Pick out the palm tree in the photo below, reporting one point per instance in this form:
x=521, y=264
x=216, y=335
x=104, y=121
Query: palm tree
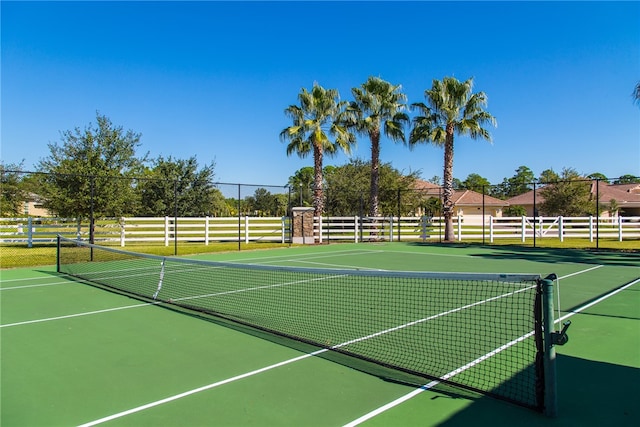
x=315, y=121
x=378, y=106
x=451, y=109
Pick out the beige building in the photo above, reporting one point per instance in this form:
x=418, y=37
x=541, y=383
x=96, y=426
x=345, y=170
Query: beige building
x=468, y=204
x=33, y=207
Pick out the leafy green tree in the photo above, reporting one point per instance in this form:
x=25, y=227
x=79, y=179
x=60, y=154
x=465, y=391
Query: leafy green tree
x=378, y=108
x=599, y=176
x=91, y=168
x=435, y=180
x=627, y=179
x=263, y=203
x=548, y=176
x=178, y=186
x=518, y=184
x=301, y=183
x=13, y=194
x=281, y=204
x=613, y=207
x=570, y=196
x=316, y=121
x=515, y=210
x=348, y=187
x=476, y=183
x=432, y=207
x=452, y=108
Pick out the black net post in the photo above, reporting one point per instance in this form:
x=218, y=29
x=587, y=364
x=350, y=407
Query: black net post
x=597, y=213
x=58, y=253
x=91, y=210
x=548, y=322
x=535, y=214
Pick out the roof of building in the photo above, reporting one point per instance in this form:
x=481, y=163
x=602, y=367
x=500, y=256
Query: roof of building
x=460, y=197
x=623, y=194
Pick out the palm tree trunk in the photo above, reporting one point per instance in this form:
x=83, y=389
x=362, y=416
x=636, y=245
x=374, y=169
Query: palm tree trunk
x=447, y=193
x=375, y=173
x=318, y=197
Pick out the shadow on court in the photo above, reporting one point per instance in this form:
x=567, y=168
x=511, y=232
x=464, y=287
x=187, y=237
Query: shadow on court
x=548, y=255
x=589, y=394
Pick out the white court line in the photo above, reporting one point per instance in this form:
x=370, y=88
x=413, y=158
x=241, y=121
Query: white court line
x=257, y=288
x=87, y=313
x=581, y=271
x=36, y=286
x=288, y=257
x=335, y=265
x=234, y=291
x=23, y=279
x=258, y=371
x=599, y=300
x=198, y=390
x=432, y=384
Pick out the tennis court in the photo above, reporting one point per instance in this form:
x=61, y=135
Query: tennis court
x=75, y=354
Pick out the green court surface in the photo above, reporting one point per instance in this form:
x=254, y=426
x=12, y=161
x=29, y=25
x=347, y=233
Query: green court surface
x=74, y=354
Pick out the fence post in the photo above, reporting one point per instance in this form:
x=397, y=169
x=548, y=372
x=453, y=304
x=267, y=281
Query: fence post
x=459, y=228
x=561, y=228
x=540, y=226
x=591, y=228
x=206, y=230
x=524, y=228
x=166, y=231
x=79, y=229
x=246, y=229
x=355, y=229
x=122, y=235
x=620, y=220
x=490, y=228
x=30, y=232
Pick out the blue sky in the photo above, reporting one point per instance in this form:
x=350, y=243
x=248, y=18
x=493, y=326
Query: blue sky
x=212, y=79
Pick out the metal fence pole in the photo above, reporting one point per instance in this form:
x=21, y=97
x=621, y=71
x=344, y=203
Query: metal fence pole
x=550, y=378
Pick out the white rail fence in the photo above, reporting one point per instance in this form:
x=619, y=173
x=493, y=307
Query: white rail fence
x=166, y=230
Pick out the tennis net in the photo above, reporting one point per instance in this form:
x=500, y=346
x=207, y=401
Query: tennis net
x=481, y=332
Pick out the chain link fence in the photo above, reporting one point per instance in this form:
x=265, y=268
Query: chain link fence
x=169, y=217
x=174, y=217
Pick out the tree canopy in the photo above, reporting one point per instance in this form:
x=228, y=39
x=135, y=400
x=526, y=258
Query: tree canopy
x=178, y=185
x=348, y=188
x=318, y=127
x=378, y=107
x=571, y=196
x=90, y=170
x=14, y=193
